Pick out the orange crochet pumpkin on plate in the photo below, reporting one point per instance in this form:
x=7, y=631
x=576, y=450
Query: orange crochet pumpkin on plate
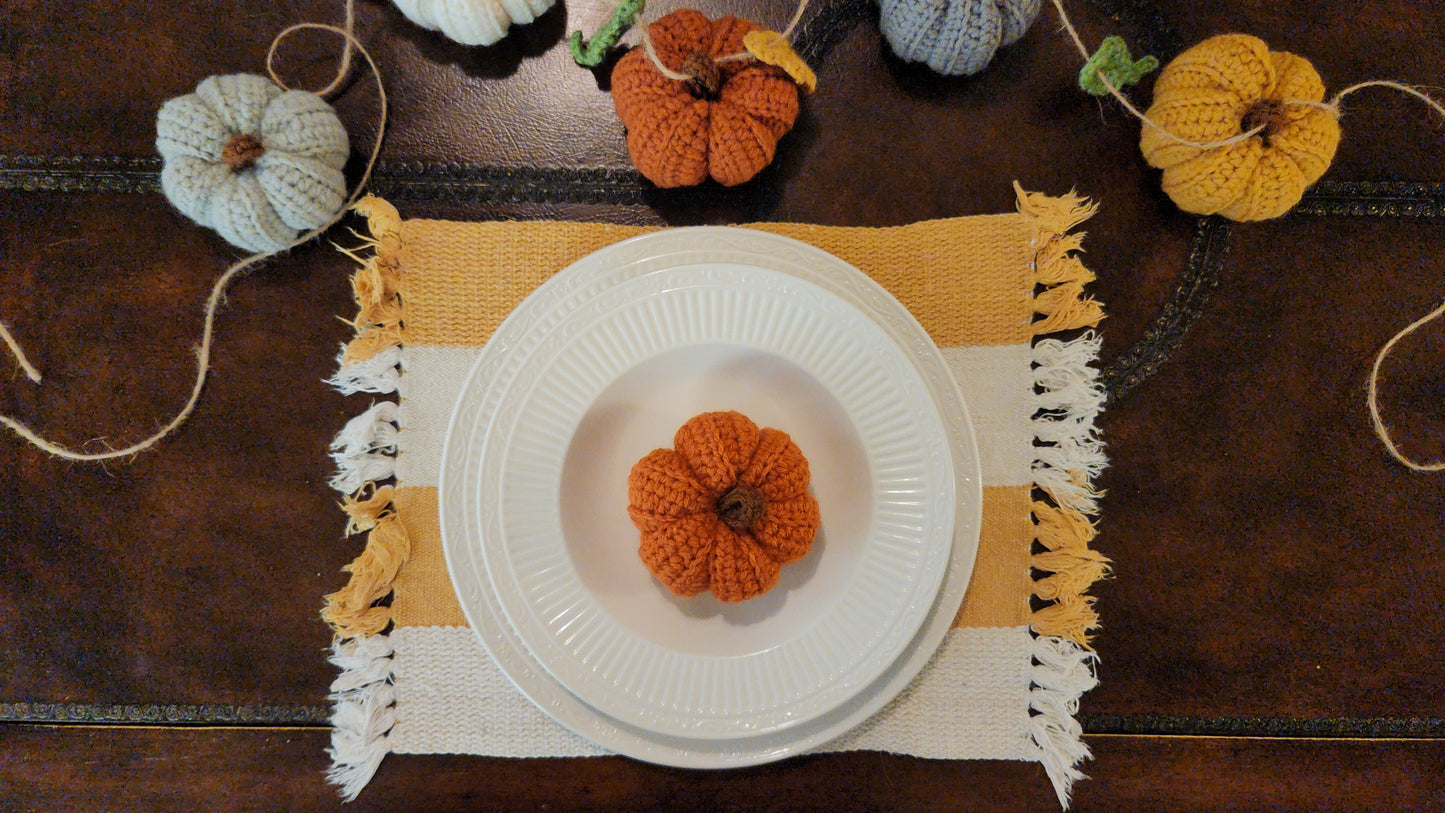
x=725, y=123
x=724, y=509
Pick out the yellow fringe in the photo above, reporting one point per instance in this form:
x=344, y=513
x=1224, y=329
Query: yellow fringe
x=371, y=342
x=351, y=610
x=1057, y=264
x=376, y=285
x=1071, y=568
x=1069, y=617
x=363, y=511
x=1074, y=572
x=1059, y=529
x=1062, y=304
x=1054, y=215
x=384, y=314
x=1065, y=307
x=384, y=223
x=1066, y=534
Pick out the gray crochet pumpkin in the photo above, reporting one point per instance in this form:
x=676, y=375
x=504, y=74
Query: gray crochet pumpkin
x=954, y=37
x=256, y=163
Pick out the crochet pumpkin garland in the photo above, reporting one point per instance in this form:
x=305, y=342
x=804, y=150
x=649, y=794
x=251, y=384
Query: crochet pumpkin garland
x=723, y=121
x=724, y=509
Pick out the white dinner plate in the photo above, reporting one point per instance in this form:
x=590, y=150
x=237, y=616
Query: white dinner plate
x=609, y=384
x=515, y=348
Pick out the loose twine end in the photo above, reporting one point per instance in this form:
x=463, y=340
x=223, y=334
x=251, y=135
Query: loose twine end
x=218, y=291
x=1381, y=431
x=30, y=371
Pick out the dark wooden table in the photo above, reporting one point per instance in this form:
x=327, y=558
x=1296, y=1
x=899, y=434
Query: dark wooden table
x=1272, y=633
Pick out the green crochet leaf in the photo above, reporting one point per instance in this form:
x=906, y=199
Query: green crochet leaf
x=590, y=53
x=1112, y=62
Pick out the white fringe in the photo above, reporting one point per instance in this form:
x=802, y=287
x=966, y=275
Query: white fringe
x=365, y=711
x=1069, y=384
x=365, y=449
x=1067, y=401
x=1067, y=458
x=1062, y=673
x=380, y=374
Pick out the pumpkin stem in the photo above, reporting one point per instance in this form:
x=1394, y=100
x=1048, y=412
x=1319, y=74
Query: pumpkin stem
x=740, y=508
x=706, y=81
x=242, y=151
x=1267, y=114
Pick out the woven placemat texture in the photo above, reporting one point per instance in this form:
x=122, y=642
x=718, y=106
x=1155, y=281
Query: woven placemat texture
x=991, y=291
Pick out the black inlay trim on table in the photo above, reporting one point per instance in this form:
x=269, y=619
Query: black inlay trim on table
x=1125, y=724
x=163, y=714
x=1201, y=275
x=1322, y=727
x=79, y=173
x=1374, y=199
x=420, y=181
x=819, y=34
x=423, y=181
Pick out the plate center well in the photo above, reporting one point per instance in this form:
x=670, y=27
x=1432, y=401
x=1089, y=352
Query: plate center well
x=639, y=412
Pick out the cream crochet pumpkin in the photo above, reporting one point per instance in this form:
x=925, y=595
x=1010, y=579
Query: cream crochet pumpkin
x=256, y=163
x=472, y=22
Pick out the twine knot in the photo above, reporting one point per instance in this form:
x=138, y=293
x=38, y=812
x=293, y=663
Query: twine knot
x=1267, y=114
x=740, y=507
x=242, y=151
x=706, y=81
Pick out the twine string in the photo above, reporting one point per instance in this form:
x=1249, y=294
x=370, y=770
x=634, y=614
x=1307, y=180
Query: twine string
x=1381, y=431
x=1333, y=106
x=1136, y=112
x=218, y=291
x=30, y=371
x=342, y=70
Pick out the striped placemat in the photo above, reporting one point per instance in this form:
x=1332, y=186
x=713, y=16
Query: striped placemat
x=990, y=290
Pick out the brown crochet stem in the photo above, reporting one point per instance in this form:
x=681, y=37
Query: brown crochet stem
x=706, y=81
x=242, y=151
x=740, y=508
x=1267, y=114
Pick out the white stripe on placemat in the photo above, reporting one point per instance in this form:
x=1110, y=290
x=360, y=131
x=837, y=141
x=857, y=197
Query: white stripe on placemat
x=997, y=383
x=970, y=702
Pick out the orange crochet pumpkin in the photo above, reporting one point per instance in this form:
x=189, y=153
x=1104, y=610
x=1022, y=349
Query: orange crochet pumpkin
x=725, y=123
x=724, y=509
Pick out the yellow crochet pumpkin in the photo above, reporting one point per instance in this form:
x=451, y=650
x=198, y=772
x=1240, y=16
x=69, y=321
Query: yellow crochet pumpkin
x=1225, y=86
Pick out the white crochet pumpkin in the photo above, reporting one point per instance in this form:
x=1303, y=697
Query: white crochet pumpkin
x=472, y=22
x=256, y=163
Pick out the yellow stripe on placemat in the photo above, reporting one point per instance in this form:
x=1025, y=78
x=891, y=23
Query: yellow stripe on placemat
x=998, y=594
x=424, y=595
x=930, y=267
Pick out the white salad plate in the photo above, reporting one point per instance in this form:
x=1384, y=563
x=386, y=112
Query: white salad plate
x=598, y=367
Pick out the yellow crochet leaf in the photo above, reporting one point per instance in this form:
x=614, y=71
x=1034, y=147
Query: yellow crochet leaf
x=774, y=49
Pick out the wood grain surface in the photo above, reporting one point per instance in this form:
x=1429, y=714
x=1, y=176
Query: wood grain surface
x=1278, y=579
